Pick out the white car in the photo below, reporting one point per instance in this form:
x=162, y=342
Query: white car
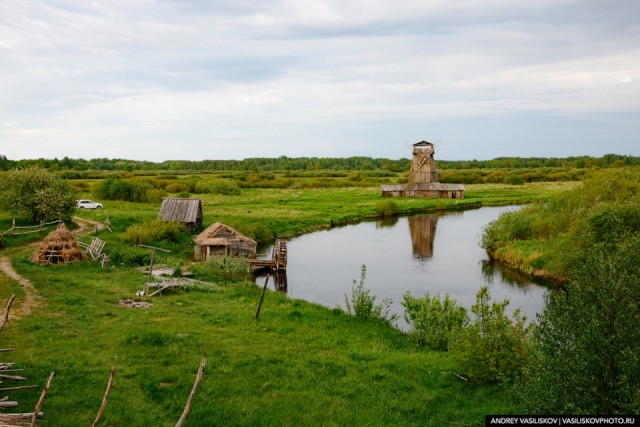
x=88, y=204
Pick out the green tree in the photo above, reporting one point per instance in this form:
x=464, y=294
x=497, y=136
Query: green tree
x=37, y=194
x=587, y=346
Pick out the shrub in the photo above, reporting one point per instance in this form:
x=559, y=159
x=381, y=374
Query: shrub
x=155, y=195
x=223, y=269
x=183, y=194
x=588, y=340
x=492, y=348
x=224, y=186
x=363, y=305
x=129, y=255
x=514, y=180
x=177, y=187
x=432, y=320
x=150, y=231
x=387, y=208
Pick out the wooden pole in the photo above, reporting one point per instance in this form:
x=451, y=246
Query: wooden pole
x=192, y=394
x=5, y=319
x=264, y=288
x=104, y=399
x=18, y=388
x=42, y=396
x=153, y=254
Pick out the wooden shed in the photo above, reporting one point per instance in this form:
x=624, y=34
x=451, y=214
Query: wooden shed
x=221, y=240
x=183, y=210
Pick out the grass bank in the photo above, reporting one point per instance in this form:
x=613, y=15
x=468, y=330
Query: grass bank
x=299, y=364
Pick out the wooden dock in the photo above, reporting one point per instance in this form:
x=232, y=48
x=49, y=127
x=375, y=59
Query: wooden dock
x=278, y=261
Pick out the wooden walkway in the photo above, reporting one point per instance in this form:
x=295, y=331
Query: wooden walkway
x=278, y=261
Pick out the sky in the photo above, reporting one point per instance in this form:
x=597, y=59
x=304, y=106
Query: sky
x=230, y=79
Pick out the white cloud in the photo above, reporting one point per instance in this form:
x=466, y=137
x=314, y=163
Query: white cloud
x=350, y=78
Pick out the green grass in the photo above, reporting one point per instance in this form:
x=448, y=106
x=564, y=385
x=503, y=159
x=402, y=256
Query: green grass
x=300, y=364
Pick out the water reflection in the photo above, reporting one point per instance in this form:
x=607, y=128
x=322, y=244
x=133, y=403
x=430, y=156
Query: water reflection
x=423, y=231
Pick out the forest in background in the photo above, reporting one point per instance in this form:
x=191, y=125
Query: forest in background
x=284, y=163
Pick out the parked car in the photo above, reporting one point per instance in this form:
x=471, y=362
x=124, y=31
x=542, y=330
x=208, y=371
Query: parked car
x=88, y=204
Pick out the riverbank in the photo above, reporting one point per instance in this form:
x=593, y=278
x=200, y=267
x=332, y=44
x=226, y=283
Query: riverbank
x=301, y=363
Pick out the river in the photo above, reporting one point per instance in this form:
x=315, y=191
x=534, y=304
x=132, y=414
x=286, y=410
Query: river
x=429, y=253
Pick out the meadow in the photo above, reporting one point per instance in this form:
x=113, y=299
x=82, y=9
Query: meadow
x=299, y=363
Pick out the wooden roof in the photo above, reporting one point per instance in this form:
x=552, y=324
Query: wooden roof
x=423, y=143
x=219, y=234
x=180, y=210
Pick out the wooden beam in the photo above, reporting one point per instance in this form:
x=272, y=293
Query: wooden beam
x=106, y=396
x=5, y=319
x=41, y=400
x=187, y=408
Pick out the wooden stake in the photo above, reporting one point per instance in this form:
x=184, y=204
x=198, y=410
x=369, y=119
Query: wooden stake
x=42, y=396
x=264, y=288
x=23, y=416
x=104, y=399
x=12, y=377
x=18, y=387
x=8, y=404
x=6, y=312
x=192, y=394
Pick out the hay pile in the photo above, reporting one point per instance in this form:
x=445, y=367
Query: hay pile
x=60, y=246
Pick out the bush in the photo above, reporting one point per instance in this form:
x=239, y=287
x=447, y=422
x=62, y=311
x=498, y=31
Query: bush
x=228, y=269
x=155, y=195
x=150, y=231
x=129, y=255
x=387, y=208
x=493, y=348
x=363, y=305
x=177, y=187
x=224, y=186
x=433, y=321
x=587, y=345
x=514, y=180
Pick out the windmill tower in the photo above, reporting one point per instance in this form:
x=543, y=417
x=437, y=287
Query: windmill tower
x=423, y=164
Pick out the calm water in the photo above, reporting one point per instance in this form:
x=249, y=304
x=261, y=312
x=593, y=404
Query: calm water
x=435, y=253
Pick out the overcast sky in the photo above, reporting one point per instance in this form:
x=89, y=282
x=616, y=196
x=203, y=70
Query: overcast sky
x=230, y=79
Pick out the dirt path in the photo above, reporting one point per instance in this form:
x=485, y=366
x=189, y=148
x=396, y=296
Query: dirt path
x=87, y=225
x=31, y=297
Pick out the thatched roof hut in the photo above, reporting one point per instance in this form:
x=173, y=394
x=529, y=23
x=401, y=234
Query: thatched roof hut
x=221, y=240
x=60, y=246
x=183, y=210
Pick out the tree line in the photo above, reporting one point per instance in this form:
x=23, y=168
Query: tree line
x=284, y=163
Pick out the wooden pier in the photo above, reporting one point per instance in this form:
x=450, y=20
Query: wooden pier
x=278, y=261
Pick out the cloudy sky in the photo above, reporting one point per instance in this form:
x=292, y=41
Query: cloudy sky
x=230, y=79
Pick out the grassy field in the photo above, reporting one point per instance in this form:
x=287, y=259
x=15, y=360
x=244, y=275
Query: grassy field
x=300, y=364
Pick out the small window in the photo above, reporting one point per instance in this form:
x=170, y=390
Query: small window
x=453, y=194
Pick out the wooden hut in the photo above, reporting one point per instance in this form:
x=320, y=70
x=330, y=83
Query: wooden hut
x=59, y=247
x=423, y=178
x=182, y=210
x=221, y=240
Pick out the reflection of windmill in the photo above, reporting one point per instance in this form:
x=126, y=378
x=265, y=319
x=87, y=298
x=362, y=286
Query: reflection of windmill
x=423, y=232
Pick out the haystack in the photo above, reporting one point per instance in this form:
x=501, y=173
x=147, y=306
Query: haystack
x=60, y=246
